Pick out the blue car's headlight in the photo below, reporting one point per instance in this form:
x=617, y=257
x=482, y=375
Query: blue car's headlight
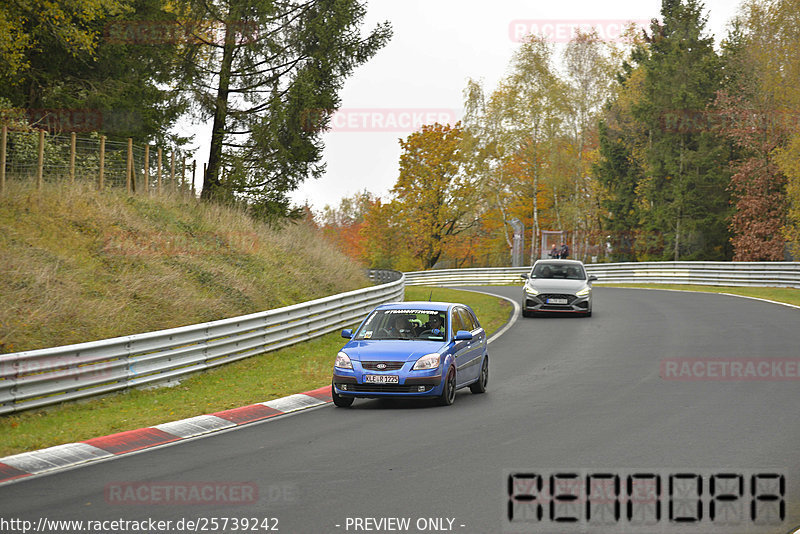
x=429, y=361
x=343, y=361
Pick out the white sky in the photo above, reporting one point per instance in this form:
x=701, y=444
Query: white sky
x=437, y=45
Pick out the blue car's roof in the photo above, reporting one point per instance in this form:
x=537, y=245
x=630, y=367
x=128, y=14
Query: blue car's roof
x=421, y=305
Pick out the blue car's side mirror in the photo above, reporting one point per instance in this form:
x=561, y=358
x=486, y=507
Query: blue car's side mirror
x=347, y=333
x=463, y=335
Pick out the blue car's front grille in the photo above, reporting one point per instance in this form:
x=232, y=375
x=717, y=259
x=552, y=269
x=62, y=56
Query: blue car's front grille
x=382, y=366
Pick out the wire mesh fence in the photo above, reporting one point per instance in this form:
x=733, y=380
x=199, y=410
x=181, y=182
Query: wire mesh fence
x=36, y=157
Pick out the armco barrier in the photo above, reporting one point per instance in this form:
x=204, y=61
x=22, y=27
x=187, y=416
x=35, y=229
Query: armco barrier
x=48, y=376
x=768, y=274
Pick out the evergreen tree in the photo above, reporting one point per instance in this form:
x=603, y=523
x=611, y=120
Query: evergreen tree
x=270, y=86
x=684, y=193
x=619, y=173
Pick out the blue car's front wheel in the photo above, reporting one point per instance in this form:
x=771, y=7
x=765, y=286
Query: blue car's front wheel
x=338, y=400
x=448, y=389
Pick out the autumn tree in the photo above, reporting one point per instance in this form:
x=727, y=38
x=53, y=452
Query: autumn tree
x=343, y=224
x=433, y=197
x=772, y=44
x=522, y=116
x=748, y=114
x=590, y=66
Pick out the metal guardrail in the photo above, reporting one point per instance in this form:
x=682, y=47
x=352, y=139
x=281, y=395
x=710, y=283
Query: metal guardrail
x=766, y=274
x=49, y=376
x=43, y=377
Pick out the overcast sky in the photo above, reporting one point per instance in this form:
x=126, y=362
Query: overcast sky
x=421, y=73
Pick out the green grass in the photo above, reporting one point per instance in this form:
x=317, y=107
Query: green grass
x=295, y=369
x=780, y=294
x=492, y=312
x=79, y=265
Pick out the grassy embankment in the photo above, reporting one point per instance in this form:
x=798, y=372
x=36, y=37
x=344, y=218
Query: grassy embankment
x=89, y=249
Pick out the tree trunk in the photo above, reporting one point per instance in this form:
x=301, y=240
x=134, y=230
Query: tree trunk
x=211, y=181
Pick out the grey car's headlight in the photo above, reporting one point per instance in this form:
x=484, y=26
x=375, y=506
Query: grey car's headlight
x=429, y=361
x=584, y=292
x=343, y=361
x=530, y=290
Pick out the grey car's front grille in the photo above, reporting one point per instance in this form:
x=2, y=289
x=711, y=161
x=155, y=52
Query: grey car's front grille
x=569, y=298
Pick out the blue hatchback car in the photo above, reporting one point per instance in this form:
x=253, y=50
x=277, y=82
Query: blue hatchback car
x=412, y=349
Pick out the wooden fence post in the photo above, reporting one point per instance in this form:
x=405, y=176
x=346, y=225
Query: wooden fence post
x=194, y=169
x=129, y=166
x=40, y=163
x=147, y=169
x=158, y=179
x=102, y=162
x=72, y=143
x=183, y=175
x=3, y=137
x=172, y=171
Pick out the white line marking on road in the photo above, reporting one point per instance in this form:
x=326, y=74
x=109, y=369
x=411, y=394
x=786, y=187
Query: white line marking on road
x=710, y=293
x=511, y=321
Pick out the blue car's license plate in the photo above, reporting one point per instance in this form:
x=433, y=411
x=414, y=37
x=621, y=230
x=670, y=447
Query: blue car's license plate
x=382, y=379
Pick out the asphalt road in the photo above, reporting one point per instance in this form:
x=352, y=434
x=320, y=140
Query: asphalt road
x=565, y=395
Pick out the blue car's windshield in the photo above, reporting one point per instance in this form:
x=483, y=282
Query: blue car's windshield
x=405, y=324
x=569, y=271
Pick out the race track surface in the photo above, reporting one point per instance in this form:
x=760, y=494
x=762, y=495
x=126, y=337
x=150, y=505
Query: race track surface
x=565, y=395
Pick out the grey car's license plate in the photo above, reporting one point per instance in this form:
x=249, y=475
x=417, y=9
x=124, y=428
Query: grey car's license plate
x=382, y=379
x=557, y=301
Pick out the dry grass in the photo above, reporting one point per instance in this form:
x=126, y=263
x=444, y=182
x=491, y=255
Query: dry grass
x=79, y=265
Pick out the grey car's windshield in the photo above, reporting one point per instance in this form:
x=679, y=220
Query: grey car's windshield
x=568, y=271
x=405, y=324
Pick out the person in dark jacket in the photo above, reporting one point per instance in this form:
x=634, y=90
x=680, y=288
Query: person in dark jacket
x=564, y=252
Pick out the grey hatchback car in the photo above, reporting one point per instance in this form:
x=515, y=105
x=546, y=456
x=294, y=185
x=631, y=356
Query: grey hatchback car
x=557, y=286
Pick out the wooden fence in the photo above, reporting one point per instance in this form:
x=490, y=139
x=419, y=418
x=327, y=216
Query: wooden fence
x=36, y=156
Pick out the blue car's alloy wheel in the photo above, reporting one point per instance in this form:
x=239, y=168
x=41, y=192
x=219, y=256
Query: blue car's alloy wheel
x=449, y=389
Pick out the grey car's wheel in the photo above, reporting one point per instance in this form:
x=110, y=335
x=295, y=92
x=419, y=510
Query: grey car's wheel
x=483, y=379
x=338, y=400
x=448, y=395
x=526, y=313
